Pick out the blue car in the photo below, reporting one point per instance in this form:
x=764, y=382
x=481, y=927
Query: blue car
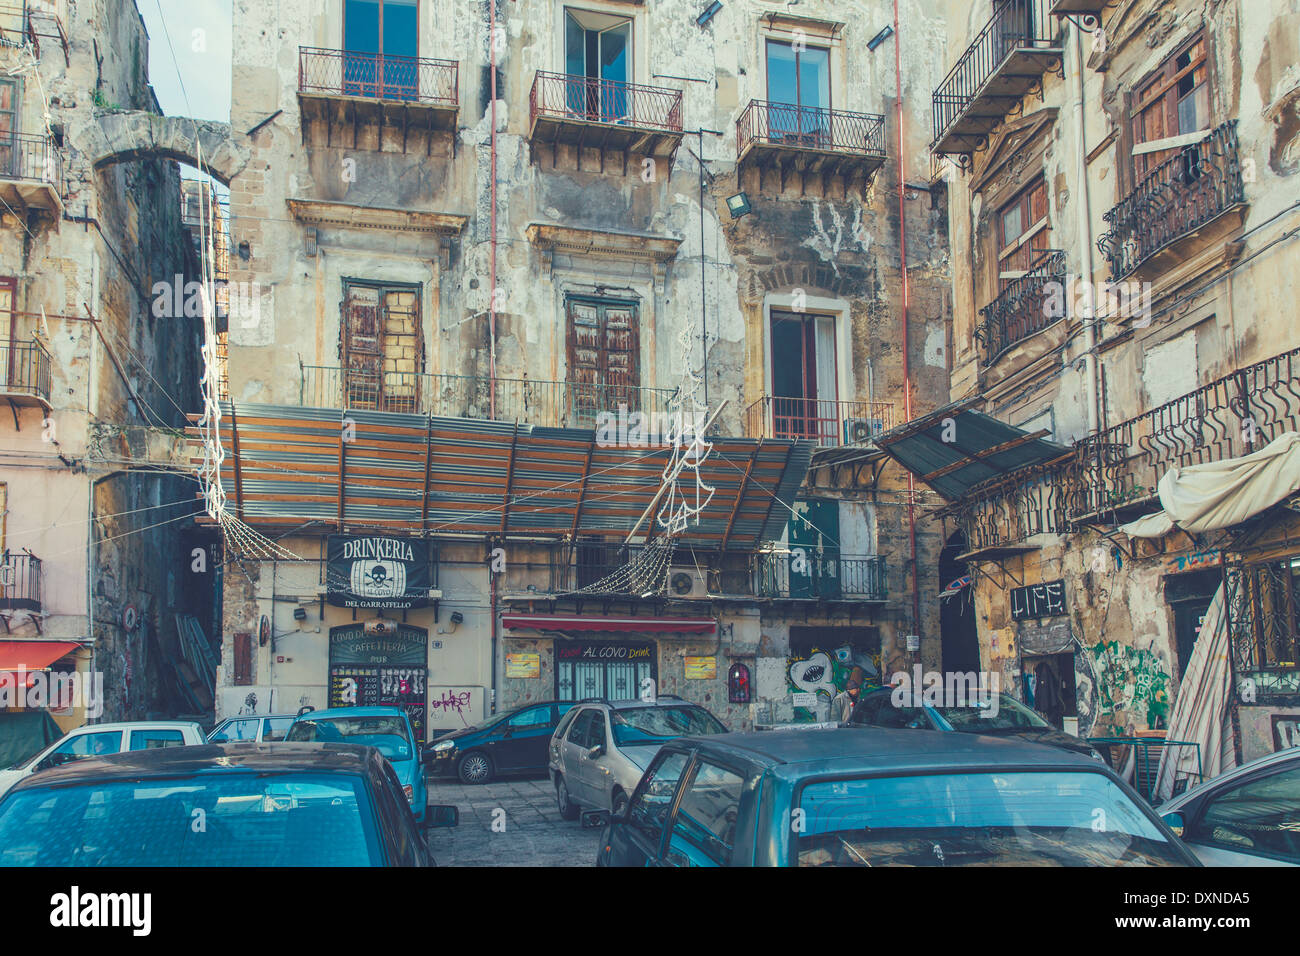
x=387, y=729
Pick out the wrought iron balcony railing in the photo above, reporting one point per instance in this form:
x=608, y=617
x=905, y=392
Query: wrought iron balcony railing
x=808, y=127
x=1016, y=26
x=1033, y=500
x=564, y=96
x=1185, y=192
x=377, y=76
x=20, y=582
x=1263, y=609
x=35, y=20
x=538, y=402
x=32, y=159
x=1024, y=307
x=819, y=575
x=1227, y=418
x=829, y=423
x=24, y=368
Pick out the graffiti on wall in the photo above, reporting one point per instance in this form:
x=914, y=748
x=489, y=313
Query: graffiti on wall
x=826, y=673
x=1130, y=679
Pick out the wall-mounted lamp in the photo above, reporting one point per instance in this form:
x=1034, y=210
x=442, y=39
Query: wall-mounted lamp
x=300, y=614
x=738, y=205
x=245, y=250
x=880, y=38
x=708, y=14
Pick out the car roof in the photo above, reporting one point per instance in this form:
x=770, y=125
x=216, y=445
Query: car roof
x=206, y=758
x=260, y=716
x=1247, y=768
x=635, y=703
x=124, y=724
x=798, y=753
x=374, y=711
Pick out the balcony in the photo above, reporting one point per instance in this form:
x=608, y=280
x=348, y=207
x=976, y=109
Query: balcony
x=536, y=402
x=1118, y=469
x=625, y=118
x=20, y=583
x=31, y=174
x=33, y=21
x=1189, y=196
x=1006, y=61
x=1089, y=10
x=402, y=92
x=24, y=373
x=810, y=140
x=1023, y=307
x=706, y=576
x=828, y=576
x=831, y=424
x=999, y=516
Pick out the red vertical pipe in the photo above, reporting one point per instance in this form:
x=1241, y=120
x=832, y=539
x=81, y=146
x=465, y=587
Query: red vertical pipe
x=907, y=369
x=492, y=239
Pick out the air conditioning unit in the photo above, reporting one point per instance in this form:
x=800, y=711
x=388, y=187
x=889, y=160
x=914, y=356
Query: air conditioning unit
x=857, y=430
x=687, y=583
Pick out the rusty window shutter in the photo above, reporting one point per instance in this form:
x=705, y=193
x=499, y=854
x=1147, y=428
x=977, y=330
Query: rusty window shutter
x=243, y=658
x=604, y=367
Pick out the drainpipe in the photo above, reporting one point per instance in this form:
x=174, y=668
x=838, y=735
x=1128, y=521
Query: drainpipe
x=907, y=370
x=492, y=239
x=1085, y=239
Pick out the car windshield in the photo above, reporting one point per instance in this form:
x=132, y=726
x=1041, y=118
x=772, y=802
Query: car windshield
x=385, y=732
x=231, y=819
x=655, y=724
x=1049, y=818
x=977, y=717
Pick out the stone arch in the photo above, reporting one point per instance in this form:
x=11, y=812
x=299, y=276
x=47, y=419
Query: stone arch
x=123, y=135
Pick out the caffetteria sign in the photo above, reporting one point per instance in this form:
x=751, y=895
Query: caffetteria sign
x=373, y=571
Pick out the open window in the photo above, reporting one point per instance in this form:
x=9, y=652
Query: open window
x=1024, y=233
x=799, y=93
x=382, y=346
x=1173, y=102
x=598, y=60
x=805, y=384
x=381, y=40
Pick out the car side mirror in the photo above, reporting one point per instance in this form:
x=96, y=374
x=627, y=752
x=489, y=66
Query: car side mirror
x=1175, y=822
x=595, y=751
x=441, y=816
x=596, y=818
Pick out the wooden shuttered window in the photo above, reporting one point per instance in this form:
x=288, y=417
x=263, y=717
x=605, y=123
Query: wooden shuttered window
x=1024, y=233
x=382, y=347
x=1173, y=101
x=604, y=354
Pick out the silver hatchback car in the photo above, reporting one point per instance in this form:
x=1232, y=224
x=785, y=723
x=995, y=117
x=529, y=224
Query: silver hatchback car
x=601, y=748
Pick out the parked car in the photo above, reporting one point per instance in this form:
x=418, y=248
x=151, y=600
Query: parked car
x=251, y=728
x=514, y=742
x=97, y=740
x=601, y=747
x=856, y=797
x=386, y=728
x=1013, y=719
x=1249, y=816
x=275, y=804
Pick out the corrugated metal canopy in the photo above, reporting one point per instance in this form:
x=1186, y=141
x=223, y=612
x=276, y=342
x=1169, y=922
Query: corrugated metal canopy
x=415, y=473
x=952, y=457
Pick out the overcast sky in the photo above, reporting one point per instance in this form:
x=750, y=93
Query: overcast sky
x=200, y=35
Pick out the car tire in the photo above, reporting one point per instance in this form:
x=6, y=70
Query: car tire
x=474, y=768
x=568, y=809
x=618, y=803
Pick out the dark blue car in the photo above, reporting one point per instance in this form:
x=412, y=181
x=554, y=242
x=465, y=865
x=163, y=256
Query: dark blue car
x=513, y=742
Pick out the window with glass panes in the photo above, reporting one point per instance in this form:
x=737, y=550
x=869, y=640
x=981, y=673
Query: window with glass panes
x=1024, y=233
x=1173, y=101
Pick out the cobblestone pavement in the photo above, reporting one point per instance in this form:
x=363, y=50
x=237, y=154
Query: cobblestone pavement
x=534, y=833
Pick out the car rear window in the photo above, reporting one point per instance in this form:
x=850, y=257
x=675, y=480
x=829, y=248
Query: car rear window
x=653, y=724
x=235, y=819
x=1055, y=818
x=386, y=732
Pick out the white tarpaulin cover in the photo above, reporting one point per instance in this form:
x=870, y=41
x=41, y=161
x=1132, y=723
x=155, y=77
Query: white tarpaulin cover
x=1218, y=494
x=1201, y=709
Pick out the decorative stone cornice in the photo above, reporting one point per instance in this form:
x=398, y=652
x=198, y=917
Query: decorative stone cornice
x=646, y=247
x=317, y=212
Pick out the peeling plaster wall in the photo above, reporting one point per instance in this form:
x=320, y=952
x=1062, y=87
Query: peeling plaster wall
x=834, y=243
x=1207, y=320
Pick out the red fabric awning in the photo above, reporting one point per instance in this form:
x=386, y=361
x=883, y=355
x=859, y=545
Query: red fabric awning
x=596, y=622
x=33, y=655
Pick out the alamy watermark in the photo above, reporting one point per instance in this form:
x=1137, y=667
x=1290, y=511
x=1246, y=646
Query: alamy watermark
x=977, y=689
x=241, y=302
x=45, y=689
x=625, y=428
x=1074, y=297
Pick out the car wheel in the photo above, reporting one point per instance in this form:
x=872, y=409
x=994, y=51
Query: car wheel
x=474, y=767
x=568, y=809
x=619, y=803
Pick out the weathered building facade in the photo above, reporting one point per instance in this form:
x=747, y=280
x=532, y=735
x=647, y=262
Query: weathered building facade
x=475, y=233
x=1122, y=205
x=94, y=380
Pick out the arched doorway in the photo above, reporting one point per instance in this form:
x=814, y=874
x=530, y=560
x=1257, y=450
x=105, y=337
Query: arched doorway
x=960, y=640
